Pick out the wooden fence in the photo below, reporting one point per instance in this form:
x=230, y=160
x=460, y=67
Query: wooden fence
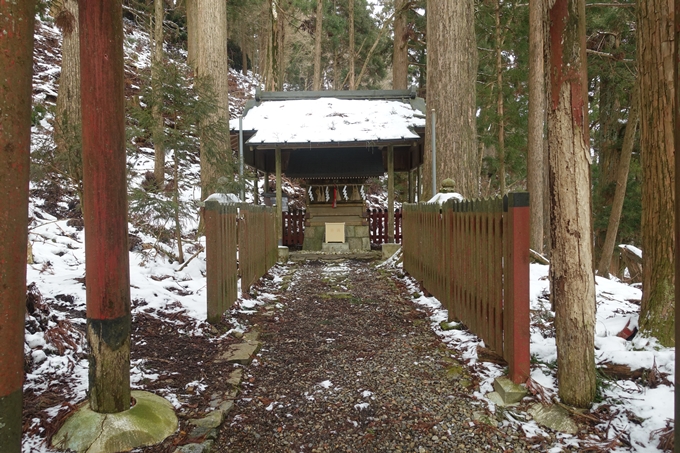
x=474, y=257
x=258, y=243
x=293, y=228
x=220, y=257
x=378, y=226
x=244, y=244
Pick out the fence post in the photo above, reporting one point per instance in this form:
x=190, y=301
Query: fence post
x=213, y=259
x=516, y=309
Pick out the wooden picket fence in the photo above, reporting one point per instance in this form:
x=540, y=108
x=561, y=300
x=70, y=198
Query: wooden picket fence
x=293, y=234
x=474, y=257
x=257, y=243
x=241, y=240
x=221, y=241
x=378, y=226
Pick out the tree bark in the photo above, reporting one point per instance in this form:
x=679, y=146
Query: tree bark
x=317, y=46
x=281, y=46
x=16, y=70
x=499, y=102
x=274, y=47
x=105, y=204
x=67, y=128
x=192, y=32
x=157, y=85
x=451, y=76
x=572, y=284
x=352, y=55
x=535, y=168
x=400, y=53
x=609, y=149
x=655, y=69
x=212, y=66
x=620, y=193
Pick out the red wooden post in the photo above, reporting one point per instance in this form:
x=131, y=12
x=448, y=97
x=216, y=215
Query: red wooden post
x=16, y=69
x=105, y=204
x=516, y=307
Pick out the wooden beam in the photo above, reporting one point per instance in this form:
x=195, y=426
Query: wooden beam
x=279, y=197
x=344, y=94
x=390, y=194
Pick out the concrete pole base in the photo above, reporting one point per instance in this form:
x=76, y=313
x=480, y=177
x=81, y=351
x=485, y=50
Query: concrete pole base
x=150, y=421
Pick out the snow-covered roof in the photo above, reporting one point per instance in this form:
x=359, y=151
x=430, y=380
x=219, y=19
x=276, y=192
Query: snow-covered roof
x=332, y=120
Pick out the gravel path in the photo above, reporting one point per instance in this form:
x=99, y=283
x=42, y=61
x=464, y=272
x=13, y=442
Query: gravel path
x=350, y=364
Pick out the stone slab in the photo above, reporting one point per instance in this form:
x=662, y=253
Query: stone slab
x=150, y=421
x=553, y=417
x=508, y=390
x=235, y=377
x=335, y=247
x=355, y=243
x=361, y=231
x=251, y=335
x=242, y=353
x=206, y=427
x=388, y=250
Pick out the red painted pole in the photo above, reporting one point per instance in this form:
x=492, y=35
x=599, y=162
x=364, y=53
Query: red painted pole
x=16, y=69
x=105, y=204
x=516, y=303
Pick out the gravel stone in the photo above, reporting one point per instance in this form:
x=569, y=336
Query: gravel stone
x=364, y=372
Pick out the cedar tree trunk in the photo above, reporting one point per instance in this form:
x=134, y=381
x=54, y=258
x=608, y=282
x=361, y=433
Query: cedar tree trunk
x=67, y=128
x=620, y=192
x=212, y=66
x=317, y=46
x=352, y=57
x=657, y=97
x=157, y=64
x=572, y=283
x=451, y=77
x=400, y=54
x=535, y=168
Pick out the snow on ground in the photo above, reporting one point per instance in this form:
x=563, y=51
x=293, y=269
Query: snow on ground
x=161, y=286
x=639, y=411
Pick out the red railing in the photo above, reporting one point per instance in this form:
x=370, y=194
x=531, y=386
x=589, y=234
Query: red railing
x=474, y=257
x=378, y=226
x=293, y=228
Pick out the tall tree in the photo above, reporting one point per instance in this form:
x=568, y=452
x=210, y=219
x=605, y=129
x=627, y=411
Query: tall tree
x=352, y=57
x=535, y=170
x=655, y=62
x=16, y=69
x=212, y=67
x=105, y=204
x=451, y=76
x=192, y=32
x=317, y=45
x=400, y=52
x=620, y=192
x=67, y=128
x=156, y=75
x=499, y=99
x=572, y=284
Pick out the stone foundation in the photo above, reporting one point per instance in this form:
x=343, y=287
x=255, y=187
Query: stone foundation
x=355, y=235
